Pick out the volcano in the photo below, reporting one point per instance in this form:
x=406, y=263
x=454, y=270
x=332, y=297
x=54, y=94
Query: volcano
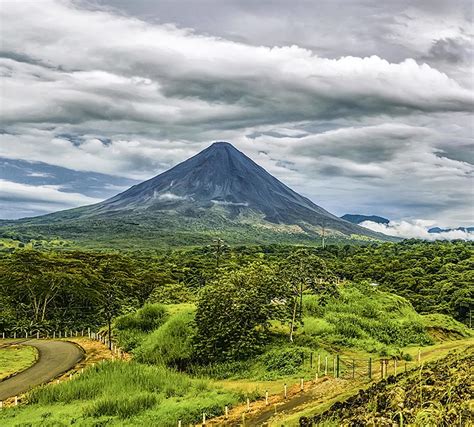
x=218, y=192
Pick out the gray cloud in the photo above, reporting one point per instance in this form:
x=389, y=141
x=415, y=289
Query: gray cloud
x=375, y=119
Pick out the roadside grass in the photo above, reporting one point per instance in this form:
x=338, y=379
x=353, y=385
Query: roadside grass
x=15, y=359
x=118, y=392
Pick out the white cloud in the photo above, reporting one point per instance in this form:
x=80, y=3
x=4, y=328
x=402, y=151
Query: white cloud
x=416, y=229
x=170, y=197
x=105, y=92
x=43, y=198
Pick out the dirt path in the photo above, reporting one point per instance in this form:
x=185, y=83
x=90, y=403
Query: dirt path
x=54, y=358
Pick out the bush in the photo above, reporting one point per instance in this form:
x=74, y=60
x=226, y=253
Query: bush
x=284, y=361
x=148, y=318
x=171, y=344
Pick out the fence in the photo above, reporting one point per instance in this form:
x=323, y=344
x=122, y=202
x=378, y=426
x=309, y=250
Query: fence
x=320, y=365
x=66, y=333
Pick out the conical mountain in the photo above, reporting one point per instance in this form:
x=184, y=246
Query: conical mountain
x=219, y=191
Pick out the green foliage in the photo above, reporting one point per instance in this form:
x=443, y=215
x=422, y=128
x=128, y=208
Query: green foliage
x=171, y=293
x=317, y=327
x=133, y=391
x=123, y=407
x=286, y=360
x=446, y=324
x=146, y=319
x=364, y=317
x=171, y=344
x=233, y=314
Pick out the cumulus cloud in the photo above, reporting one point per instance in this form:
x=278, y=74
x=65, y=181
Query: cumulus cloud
x=416, y=229
x=373, y=117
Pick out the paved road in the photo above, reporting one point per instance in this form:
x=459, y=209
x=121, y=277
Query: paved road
x=55, y=358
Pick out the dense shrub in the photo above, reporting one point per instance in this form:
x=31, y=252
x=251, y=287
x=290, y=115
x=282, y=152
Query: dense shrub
x=170, y=344
x=364, y=317
x=284, y=361
x=146, y=319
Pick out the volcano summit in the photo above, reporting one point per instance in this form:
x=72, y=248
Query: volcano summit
x=219, y=192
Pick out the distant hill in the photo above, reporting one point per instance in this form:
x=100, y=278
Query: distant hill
x=218, y=192
x=358, y=219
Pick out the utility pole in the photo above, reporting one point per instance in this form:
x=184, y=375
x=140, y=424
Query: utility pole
x=219, y=248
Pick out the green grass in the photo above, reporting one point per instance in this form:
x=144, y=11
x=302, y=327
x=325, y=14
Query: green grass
x=15, y=359
x=117, y=393
x=364, y=318
x=445, y=326
x=170, y=344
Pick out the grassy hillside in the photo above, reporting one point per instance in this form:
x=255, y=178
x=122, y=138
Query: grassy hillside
x=165, y=382
x=437, y=394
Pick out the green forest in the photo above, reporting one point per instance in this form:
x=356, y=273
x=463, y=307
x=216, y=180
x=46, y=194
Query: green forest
x=49, y=289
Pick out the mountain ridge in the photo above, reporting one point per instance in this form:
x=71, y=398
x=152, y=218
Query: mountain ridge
x=216, y=190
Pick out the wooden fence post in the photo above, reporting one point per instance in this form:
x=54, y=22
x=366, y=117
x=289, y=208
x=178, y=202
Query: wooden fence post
x=285, y=391
x=325, y=366
x=337, y=366
x=370, y=368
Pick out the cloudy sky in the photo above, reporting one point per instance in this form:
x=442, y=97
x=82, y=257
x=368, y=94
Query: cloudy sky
x=363, y=106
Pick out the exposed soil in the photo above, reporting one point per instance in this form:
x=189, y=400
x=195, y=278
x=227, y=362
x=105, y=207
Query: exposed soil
x=440, y=393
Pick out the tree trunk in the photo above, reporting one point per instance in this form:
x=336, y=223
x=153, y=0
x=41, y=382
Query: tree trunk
x=109, y=324
x=292, y=325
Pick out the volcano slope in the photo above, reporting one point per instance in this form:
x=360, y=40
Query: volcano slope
x=219, y=192
x=440, y=393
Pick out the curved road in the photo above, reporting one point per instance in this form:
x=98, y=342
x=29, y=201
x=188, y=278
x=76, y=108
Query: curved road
x=54, y=358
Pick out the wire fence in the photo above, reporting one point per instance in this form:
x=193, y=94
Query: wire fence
x=345, y=367
x=101, y=337
x=321, y=365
